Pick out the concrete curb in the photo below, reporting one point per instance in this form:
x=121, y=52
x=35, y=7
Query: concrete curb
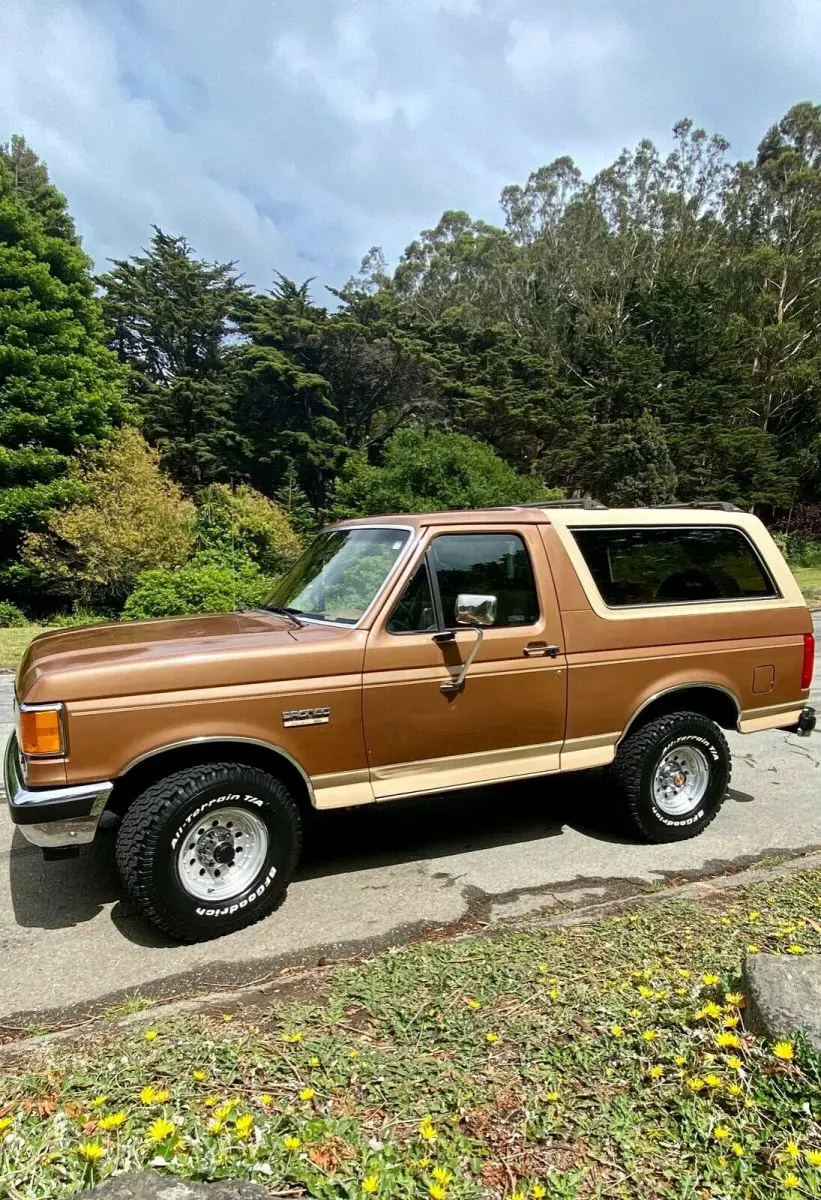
x=257, y=994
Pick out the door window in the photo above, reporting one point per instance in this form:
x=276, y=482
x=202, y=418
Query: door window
x=488, y=564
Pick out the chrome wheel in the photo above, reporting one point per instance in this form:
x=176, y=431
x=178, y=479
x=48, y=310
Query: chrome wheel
x=680, y=781
x=223, y=854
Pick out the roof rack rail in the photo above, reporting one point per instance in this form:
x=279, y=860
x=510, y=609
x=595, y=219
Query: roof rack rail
x=583, y=502
x=721, y=505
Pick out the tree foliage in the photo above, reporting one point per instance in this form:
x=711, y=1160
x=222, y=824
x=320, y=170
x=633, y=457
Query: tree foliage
x=244, y=522
x=131, y=518
x=60, y=389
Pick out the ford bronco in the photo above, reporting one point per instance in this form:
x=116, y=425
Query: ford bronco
x=405, y=655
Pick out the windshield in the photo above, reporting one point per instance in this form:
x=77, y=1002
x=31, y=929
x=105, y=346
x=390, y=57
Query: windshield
x=337, y=578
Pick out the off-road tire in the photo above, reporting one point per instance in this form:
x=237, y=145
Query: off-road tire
x=635, y=765
x=146, y=858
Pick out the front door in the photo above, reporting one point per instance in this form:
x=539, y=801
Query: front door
x=507, y=719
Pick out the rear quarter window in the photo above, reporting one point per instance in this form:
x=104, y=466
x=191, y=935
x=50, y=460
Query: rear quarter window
x=675, y=565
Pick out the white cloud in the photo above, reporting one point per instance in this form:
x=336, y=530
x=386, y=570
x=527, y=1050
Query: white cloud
x=296, y=135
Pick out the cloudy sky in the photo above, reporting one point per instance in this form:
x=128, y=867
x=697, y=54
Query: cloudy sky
x=294, y=134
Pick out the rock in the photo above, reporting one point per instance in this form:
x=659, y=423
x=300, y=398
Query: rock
x=783, y=995
x=149, y=1185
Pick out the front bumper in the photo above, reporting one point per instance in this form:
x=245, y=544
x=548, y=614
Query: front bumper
x=53, y=818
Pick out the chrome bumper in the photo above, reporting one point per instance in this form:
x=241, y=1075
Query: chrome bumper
x=53, y=818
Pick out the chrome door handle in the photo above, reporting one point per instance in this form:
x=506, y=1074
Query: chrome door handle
x=541, y=650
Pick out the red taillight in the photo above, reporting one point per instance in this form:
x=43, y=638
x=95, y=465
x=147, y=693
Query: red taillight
x=809, y=660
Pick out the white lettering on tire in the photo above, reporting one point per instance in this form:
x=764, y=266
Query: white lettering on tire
x=228, y=798
x=228, y=910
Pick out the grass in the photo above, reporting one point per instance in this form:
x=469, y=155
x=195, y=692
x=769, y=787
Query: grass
x=809, y=580
x=607, y=1060
x=13, y=644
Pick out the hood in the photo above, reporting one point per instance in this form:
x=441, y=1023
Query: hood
x=140, y=657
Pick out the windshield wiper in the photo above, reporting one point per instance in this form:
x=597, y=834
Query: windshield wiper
x=280, y=611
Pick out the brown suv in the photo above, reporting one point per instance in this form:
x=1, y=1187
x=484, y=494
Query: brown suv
x=403, y=655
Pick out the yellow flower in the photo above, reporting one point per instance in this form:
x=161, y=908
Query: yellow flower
x=199, y=1076
x=679, y=1060
x=752, y=949
x=734, y=999
x=471, y=1003
x=796, y=949
x=150, y=1035
x=441, y=1175
x=656, y=1072
x=684, y=973
x=712, y=1081
x=491, y=1037
x=98, y=1101
x=293, y=1038
x=721, y=1133
x=731, y=1022
x=634, y=1012
x=112, y=1121
x=90, y=1151
x=538, y=1192
x=161, y=1129
x=313, y=1061
x=215, y=1126
x=292, y=1143
x=734, y=1089
x=645, y=991
x=552, y=1096
x=227, y=1017
x=784, y=1051
x=617, y=1031
x=813, y=1157
x=728, y=1040
x=147, y=1095
x=243, y=1125
x=695, y=1084
x=210, y=1101
x=793, y=1150
x=553, y=993
x=791, y=1182
x=649, y=1035
x=737, y=1149
x=426, y=1130
x=437, y=1192
x=307, y=1094
x=370, y=1184
x=710, y=1009
x=266, y=1099
x=225, y=1110
x=353, y=1054
x=161, y=1096
x=753, y=916
x=5, y=1123
x=709, y=980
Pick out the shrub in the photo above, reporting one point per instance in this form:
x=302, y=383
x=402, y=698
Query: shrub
x=132, y=518
x=206, y=584
x=11, y=617
x=80, y=616
x=426, y=470
x=247, y=522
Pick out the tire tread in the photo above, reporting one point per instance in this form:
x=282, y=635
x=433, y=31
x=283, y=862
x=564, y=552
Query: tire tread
x=145, y=817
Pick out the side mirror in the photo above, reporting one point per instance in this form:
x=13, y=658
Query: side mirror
x=475, y=610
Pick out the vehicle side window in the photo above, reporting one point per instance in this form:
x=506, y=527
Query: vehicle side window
x=495, y=564
x=414, y=611
x=679, y=565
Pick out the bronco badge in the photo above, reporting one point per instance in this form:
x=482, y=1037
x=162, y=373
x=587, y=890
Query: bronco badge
x=306, y=716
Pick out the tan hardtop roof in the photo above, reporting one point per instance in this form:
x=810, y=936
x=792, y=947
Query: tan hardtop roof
x=536, y=515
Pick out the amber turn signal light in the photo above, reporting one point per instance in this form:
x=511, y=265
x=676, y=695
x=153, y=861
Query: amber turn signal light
x=41, y=731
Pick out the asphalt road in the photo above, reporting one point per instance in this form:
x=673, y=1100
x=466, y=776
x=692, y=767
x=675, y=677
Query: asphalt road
x=379, y=876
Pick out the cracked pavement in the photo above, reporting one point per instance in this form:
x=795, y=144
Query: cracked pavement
x=381, y=875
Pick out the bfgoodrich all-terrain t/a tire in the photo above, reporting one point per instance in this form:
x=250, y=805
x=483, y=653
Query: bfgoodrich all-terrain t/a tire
x=672, y=775
x=209, y=850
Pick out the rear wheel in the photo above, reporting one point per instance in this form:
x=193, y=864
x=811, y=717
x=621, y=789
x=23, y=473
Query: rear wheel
x=209, y=850
x=673, y=775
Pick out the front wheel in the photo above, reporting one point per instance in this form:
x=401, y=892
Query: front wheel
x=209, y=849
x=673, y=775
